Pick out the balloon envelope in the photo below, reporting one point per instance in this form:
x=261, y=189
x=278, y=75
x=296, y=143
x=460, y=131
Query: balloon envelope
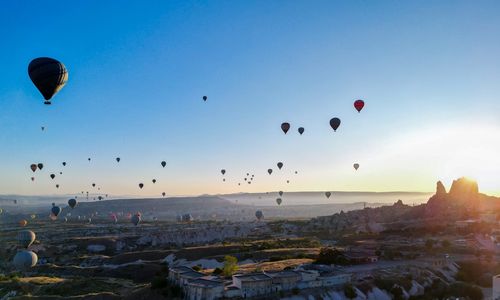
x=259, y=215
x=359, y=104
x=56, y=210
x=270, y=171
x=25, y=238
x=278, y=201
x=356, y=166
x=328, y=194
x=335, y=123
x=72, y=203
x=163, y=163
x=301, y=130
x=33, y=167
x=280, y=165
x=135, y=219
x=48, y=75
x=40, y=166
x=25, y=259
x=285, y=127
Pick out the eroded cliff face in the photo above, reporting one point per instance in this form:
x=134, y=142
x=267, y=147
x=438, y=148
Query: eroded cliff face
x=462, y=201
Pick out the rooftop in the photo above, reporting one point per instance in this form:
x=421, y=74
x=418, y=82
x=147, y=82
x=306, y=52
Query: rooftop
x=205, y=282
x=253, y=277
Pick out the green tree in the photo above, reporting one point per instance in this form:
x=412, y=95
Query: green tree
x=230, y=265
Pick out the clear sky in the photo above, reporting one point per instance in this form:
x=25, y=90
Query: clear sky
x=429, y=72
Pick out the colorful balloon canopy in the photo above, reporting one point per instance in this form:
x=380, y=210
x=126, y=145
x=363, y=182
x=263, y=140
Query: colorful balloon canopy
x=48, y=75
x=359, y=104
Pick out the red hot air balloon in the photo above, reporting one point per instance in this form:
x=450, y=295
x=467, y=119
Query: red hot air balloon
x=359, y=104
x=285, y=127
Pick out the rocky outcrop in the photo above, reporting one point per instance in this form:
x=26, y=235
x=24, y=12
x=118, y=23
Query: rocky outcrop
x=460, y=202
x=440, y=189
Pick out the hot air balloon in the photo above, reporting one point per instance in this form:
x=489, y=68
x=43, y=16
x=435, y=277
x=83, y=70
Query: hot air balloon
x=33, y=216
x=205, y=98
x=55, y=210
x=40, y=166
x=33, y=167
x=278, y=200
x=64, y=163
x=88, y=159
x=223, y=171
x=280, y=193
x=32, y=178
x=43, y=128
x=259, y=215
x=23, y=223
x=52, y=176
x=135, y=219
x=163, y=194
x=72, y=203
x=335, y=123
x=163, y=163
x=359, y=104
x=25, y=238
x=154, y=180
x=280, y=165
x=57, y=186
x=285, y=127
x=1, y=211
x=288, y=181
x=24, y=260
x=223, y=179
x=328, y=194
x=296, y=172
x=93, y=184
x=48, y=75
x=356, y=166
x=99, y=198
x=141, y=185
x=270, y=171
x=301, y=130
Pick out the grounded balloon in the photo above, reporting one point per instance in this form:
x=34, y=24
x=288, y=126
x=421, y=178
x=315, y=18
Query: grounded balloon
x=358, y=105
x=25, y=259
x=117, y=159
x=154, y=180
x=33, y=167
x=72, y=203
x=56, y=210
x=270, y=171
x=278, y=200
x=99, y=198
x=280, y=165
x=205, y=98
x=52, y=176
x=223, y=171
x=141, y=185
x=285, y=127
x=328, y=194
x=280, y=193
x=135, y=219
x=356, y=166
x=259, y=215
x=335, y=123
x=23, y=223
x=301, y=130
x=163, y=163
x=40, y=166
x=48, y=75
x=25, y=238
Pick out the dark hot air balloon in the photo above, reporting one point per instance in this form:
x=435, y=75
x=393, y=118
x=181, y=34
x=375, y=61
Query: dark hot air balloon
x=40, y=166
x=301, y=130
x=64, y=163
x=117, y=159
x=280, y=193
x=154, y=180
x=32, y=178
x=259, y=215
x=57, y=186
x=223, y=171
x=328, y=194
x=25, y=238
x=141, y=185
x=205, y=98
x=24, y=260
x=335, y=123
x=136, y=219
x=359, y=104
x=278, y=200
x=48, y=75
x=72, y=203
x=270, y=171
x=163, y=163
x=52, y=176
x=285, y=127
x=33, y=167
x=356, y=166
x=56, y=210
x=280, y=165
x=163, y=194
x=93, y=184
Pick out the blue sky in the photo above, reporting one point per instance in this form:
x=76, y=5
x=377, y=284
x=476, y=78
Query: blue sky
x=427, y=70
